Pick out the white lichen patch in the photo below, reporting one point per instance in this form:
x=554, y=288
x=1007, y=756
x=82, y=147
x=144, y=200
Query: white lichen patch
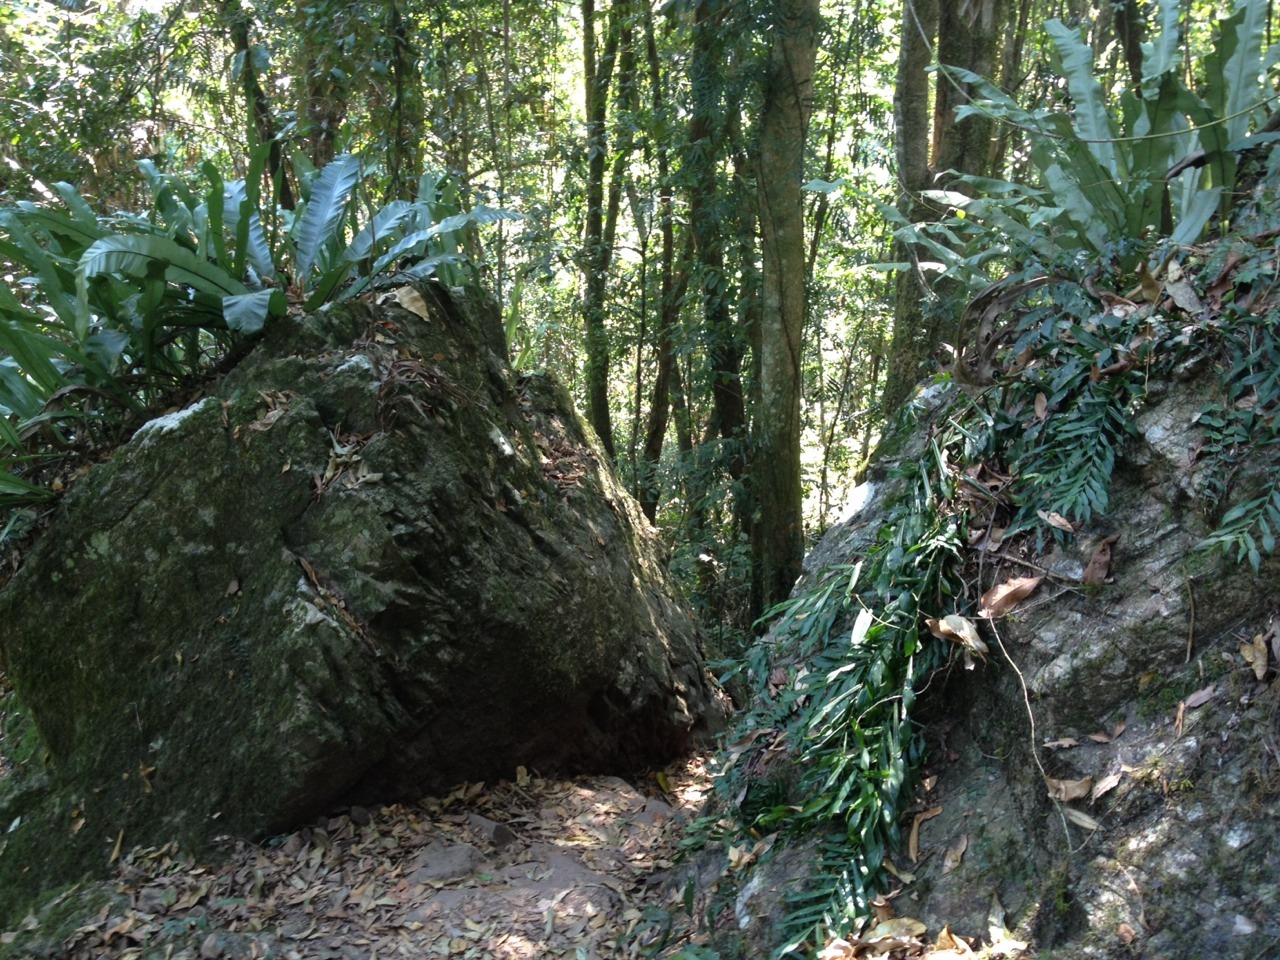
x=503, y=444
x=357, y=363
x=169, y=422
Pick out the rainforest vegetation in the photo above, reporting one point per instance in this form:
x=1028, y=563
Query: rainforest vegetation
x=744, y=233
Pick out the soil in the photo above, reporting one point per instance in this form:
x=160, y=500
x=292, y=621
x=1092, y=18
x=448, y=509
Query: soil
x=528, y=869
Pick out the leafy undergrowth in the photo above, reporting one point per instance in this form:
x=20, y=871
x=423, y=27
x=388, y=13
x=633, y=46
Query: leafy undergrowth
x=1020, y=461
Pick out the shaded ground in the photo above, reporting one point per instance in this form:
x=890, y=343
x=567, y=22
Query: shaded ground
x=538, y=868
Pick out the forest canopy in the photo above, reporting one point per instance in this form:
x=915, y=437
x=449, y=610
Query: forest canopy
x=743, y=232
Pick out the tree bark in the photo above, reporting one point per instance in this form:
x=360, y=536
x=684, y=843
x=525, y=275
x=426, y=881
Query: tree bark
x=262, y=124
x=597, y=72
x=778, y=524
x=404, y=137
x=912, y=341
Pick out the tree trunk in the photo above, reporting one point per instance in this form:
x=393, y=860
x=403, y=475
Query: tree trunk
x=778, y=527
x=911, y=343
x=595, y=250
x=262, y=124
x=404, y=137
x=967, y=37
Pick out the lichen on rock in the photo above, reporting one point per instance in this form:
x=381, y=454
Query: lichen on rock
x=372, y=563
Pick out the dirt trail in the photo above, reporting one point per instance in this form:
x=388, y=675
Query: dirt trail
x=539, y=868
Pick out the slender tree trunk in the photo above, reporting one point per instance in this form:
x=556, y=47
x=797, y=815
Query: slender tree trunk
x=262, y=124
x=404, y=138
x=912, y=341
x=597, y=72
x=967, y=37
x=778, y=528
x=672, y=293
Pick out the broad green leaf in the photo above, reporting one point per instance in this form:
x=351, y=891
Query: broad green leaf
x=27, y=254
x=1163, y=55
x=247, y=312
x=15, y=490
x=136, y=255
x=214, y=202
x=1092, y=121
x=1198, y=214
x=244, y=222
x=324, y=212
x=378, y=230
x=62, y=227
x=76, y=204
x=17, y=392
x=1242, y=69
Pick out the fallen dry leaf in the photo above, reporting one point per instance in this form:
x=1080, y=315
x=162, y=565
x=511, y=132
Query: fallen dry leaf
x=1118, y=729
x=1056, y=519
x=1255, y=655
x=900, y=928
x=1081, y=819
x=837, y=949
x=1200, y=697
x=959, y=630
x=1099, y=566
x=410, y=299
x=1100, y=737
x=913, y=841
x=902, y=875
x=955, y=853
x=1042, y=406
x=1126, y=933
x=1003, y=597
x=1104, y=785
x=953, y=945
x=1065, y=743
x=1069, y=789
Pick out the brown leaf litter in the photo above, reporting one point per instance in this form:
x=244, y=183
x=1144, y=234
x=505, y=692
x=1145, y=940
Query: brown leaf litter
x=532, y=869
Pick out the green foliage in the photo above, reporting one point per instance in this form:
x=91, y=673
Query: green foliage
x=1241, y=425
x=119, y=310
x=1104, y=187
x=1071, y=369
x=848, y=717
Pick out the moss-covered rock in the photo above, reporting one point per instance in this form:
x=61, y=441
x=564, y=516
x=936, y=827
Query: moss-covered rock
x=372, y=563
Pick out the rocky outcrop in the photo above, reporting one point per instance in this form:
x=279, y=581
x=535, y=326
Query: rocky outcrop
x=1132, y=696
x=370, y=564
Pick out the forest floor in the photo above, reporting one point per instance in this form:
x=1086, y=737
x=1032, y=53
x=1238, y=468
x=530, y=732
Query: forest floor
x=574, y=868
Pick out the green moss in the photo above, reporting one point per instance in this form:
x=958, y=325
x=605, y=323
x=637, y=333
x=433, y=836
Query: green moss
x=57, y=915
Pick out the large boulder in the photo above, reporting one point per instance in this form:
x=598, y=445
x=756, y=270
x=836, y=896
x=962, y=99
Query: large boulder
x=1132, y=696
x=371, y=563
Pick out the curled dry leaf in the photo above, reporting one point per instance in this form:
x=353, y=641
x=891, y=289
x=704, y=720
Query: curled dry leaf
x=1056, y=519
x=1099, y=737
x=1003, y=597
x=1081, y=819
x=913, y=841
x=1107, y=783
x=959, y=630
x=955, y=853
x=1042, y=406
x=1069, y=789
